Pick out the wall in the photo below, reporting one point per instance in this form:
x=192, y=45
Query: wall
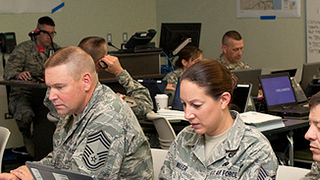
x=278, y=43
x=76, y=20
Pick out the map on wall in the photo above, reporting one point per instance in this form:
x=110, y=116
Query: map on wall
x=28, y=6
x=259, y=8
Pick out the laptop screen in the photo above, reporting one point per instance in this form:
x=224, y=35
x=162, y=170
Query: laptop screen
x=240, y=97
x=247, y=76
x=277, y=90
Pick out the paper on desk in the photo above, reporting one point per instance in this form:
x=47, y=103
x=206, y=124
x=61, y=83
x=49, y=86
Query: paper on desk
x=257, y=118
x=171, y=114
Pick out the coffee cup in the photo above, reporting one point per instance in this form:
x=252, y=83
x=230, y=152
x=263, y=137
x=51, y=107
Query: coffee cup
x=161, y=101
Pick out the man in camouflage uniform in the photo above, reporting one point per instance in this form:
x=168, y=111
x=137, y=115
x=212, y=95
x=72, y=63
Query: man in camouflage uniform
x=245, y=154
x=26, y=62
x=138, y=96
x=313, y=135
x=101, y=135
x=232, y=47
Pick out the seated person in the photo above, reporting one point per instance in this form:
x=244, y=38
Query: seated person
x=119, y=150
x=217, y=144
x=138, y=96
x=187, y=56
x=26, y=62
x=313, y=135
x=232, y=47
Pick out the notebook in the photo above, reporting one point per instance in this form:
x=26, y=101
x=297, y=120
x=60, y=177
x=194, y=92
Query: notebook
x=241, y=98
x=155, y=87
x=43, y=172
x=279, y=95
x=249, y=76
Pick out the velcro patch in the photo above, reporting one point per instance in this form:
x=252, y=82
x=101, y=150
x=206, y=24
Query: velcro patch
x=96, y=151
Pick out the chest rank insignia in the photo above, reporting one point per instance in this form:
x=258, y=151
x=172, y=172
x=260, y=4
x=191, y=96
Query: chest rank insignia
x=96, y=151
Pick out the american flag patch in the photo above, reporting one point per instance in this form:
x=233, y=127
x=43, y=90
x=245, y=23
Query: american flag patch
x=171, y=87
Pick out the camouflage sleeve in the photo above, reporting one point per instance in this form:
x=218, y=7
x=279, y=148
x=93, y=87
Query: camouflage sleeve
x=168, y=164
x=16, y=62
x=172, y=80
x=260, y=162
x=140, y=94
x=314, y=174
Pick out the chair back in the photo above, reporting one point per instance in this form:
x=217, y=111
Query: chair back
x=290, y=172
x=158, y=157
x=164, y=129
x=4, y=137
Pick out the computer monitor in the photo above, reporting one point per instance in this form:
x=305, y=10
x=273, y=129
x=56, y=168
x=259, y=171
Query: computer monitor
x=292, y=72
x=249, y=76
x=173, y=34
x=309, y=71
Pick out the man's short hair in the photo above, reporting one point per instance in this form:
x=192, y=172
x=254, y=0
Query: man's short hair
x=77, y=60
x=315, y=100
x=93, y=45
x=46, y=20
x=231, y=34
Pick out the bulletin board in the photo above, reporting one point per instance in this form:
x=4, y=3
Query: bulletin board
x=313, y=30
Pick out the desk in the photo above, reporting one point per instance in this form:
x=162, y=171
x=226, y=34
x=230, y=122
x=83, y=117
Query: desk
x=43, y=129
x=291, y=125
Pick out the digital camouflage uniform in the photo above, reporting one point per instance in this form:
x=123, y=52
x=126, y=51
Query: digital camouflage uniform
x=138, y=96
x=106, y=140
x=172, y=80
x=25, y=57
x=234, y=66
x=314, y=174
x=245, y=154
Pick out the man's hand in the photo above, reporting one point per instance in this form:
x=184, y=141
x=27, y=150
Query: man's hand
x=114, y=66
x=22, y=173
x=25, y=75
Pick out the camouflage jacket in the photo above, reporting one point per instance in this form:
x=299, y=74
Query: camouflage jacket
x=172, y=80
x=314, y=174
x=26, y=57
x=105, y=140
x=137, y=96
x=234, y=66
x=245, y=154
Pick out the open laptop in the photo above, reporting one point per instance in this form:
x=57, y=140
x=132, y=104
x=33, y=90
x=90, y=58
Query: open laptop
x=249, y=76
x=155, y=87
x=279, y=95
x=43, y=172
x=241, y=98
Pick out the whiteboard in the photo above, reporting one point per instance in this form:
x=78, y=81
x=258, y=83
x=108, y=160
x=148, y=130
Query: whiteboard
x=313, y=30
x=28, y=6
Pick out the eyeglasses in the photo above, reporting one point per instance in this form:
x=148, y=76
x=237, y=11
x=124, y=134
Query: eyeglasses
x=52, y=34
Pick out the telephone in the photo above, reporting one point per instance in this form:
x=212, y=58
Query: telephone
x=299, y=93
x=8, y=42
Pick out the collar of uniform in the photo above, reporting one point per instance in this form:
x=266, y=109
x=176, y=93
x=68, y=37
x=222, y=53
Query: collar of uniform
x=236, y=132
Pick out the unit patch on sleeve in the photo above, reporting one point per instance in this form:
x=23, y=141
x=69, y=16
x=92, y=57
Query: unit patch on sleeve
x=96, y=151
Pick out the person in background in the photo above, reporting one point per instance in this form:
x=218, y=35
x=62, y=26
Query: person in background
x=313, y=135
x=217, y=144
x=26, y=63
x=100, y=135
x=187, y=56
x=232, y=47
x=137, y=96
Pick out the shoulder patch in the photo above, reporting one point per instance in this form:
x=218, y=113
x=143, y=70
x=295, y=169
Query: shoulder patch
x=264, y=175
x=171, y=87
x=96, y=151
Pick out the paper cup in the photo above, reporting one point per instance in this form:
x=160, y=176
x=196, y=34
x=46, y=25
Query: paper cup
x=161, y=101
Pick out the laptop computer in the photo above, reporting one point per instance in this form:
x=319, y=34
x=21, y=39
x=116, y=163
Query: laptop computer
x=249, y=76
x=43, y=172
x=279, y=95
x=241, y=98
x=155, y=87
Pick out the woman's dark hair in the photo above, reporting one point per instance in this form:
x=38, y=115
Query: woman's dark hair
x=186, y=53
x=210, y=74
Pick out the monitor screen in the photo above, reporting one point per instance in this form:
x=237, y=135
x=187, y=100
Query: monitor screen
x=173, y=34
x=309, y=71
x=249, y=76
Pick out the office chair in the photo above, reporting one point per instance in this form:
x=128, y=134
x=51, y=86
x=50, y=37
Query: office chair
x=4, y=137
x=164, y=129
x=158, y=157
x=289, y=172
